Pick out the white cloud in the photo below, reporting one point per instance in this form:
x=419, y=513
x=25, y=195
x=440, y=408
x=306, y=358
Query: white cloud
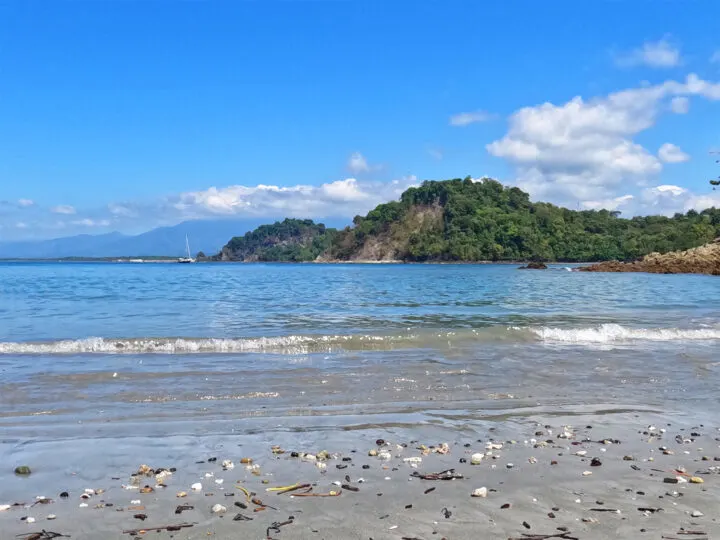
x=357, y=163
x=607, y=204
x=668, y=199
x=680, y=105
x=24, y=203
x=670, y=153
x=63, y=209
x=21, y=225
x=583, y=150
x=121, y=210
x=467, y=118
x=334, y=199
x=715, y=58
x=92, y=222
x=657, y=54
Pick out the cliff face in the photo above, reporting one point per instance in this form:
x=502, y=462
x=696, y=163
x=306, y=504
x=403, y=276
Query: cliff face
x=700, y=260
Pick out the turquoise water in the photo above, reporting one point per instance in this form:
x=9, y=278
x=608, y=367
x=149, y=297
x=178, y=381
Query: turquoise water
x=87, y=348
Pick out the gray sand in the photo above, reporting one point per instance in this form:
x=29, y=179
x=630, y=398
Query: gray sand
x=378, y=510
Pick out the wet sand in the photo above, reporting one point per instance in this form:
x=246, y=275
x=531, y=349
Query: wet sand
x=540, y=471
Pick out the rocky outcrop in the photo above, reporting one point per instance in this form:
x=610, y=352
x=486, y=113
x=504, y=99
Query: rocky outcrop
x=534, y=265
x=700, y=260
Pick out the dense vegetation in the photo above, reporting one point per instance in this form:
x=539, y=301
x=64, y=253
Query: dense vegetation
x=291, y=240
x=484, y=220
x=464, y=220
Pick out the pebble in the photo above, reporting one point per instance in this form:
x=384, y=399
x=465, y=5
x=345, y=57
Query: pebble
x=696, y=480
x=587, y=473
x=480, y=492
x=476, y=459
x=510, y=466
x=51, y=517
x=196, y=486
x=696, y=514
x=22, y=470
x=30, y=520
x=219, y=509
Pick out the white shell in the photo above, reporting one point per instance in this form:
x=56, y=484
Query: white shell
x=219, y=509
x=480, y=492
x=197, y=486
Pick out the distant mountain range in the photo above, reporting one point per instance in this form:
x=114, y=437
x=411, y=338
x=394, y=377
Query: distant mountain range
x=208, y=236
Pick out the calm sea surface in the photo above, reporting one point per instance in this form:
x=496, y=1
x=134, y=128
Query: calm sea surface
x=92, y=350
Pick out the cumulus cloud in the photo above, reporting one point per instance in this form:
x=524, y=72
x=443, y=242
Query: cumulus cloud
x=357, y=163
x=467, y=118
x=680, y=105
x=656, y=54
x=583, y=150
x=24, y=203
x=669, y=153
x=63, y=209
x=120, y=210
x=87, y=222
x=334, y=199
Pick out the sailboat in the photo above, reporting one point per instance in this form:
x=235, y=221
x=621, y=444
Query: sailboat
x=187, y=258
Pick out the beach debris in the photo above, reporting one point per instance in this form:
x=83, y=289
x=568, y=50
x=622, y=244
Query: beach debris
x=480, y=492
x=595, y=462
x=4, y=507
x=181, y=494
x=287, y=489
x=183, y=507
x=197, y=486
x=587, y=473
x=42, y=535
x=565, y=535
x=333, y=493
x=242, y=517
x=246, y=461
x=449, y=474
x=275, y=526
x=696, y=514
x=505, y=506
x=169, y=528
x=476, y=459
x=413, y=460
x=22, y=470
x=218, y=509
x=50, y=517
x=446, y=513
x=696, y=480
x=141, y=517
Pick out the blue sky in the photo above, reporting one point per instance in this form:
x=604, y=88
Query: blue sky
x=125, y=115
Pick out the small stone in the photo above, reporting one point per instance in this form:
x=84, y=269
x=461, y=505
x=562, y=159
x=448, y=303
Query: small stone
x=476, y=459
x=380, y=442
x=219, y=509
x=246, y=460
x=587, y=473
x=696, y=514
x=30, y=520
x=4, y=507
x=595, y=462
x=480, y=492
x=696, y=480
x=196, y=486
x=51, y=517
x=505, y=506
x=581, y=453
x=22, y=470
x=373, y=453
x=510, y=466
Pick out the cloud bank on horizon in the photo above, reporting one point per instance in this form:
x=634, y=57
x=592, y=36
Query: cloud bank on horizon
x=581, y=153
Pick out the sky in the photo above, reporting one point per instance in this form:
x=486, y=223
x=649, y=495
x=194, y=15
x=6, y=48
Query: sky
x=124, y=115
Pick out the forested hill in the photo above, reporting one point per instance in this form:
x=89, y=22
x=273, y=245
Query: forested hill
x=466, y=220
x=291, y=240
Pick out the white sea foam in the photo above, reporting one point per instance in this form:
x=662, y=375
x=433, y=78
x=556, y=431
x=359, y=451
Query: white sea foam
x=611, y=333
x=299, y=344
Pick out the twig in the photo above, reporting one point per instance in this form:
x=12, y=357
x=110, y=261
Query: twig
x=564, y=536
x=43, y=535
x=163, y=528
x=276, y=527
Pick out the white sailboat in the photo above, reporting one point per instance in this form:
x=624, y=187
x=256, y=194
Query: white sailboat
x=187, y=258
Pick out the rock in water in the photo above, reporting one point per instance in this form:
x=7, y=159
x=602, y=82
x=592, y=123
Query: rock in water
x=22, y=470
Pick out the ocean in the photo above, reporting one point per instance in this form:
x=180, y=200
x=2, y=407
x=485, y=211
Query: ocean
x=105, y=365
x=129, y=343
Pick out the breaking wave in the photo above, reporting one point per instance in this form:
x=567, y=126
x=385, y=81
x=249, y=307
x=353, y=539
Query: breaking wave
x=303, y=344
x=613, y=333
